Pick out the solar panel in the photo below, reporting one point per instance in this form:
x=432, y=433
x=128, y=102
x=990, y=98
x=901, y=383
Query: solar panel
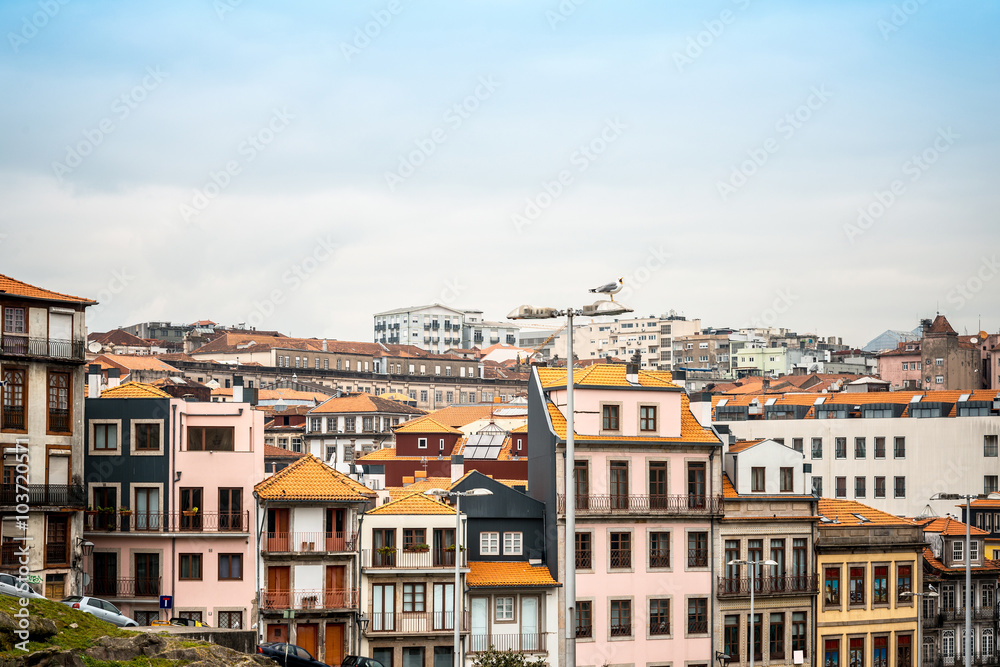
x=819, y=401
x=771, y=401
x=916, y=399
x=492, y=453
x=722, y=402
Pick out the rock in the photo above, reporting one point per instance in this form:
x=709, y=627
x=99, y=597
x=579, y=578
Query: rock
x=73, y=625
x=38, y=627
x=54, y=658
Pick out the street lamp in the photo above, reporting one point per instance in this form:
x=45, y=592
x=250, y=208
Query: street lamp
x=932, y=593
x=598, y=308
x=753, y=584
x=967, y=644
x=362, y=622
x=723, y=658
x=457, y=495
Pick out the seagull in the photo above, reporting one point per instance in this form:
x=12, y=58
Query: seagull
x=610, y=289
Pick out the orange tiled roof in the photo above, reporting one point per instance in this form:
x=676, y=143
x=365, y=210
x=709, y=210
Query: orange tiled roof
x=728, y=490
x=18, y=288
x=739, y=446
x=520, y=429
x=604, y=375
x=691, y=430
x=517, y=574
x=426, y=424
x=278, y=452
x=136, y=362
x=418, y=486
x=843, y=512
x=938, y=565
x=311, y=479
x=414, y=503
x=457, y=416
x=363, y=402
x=134, y=390
x=948, y=526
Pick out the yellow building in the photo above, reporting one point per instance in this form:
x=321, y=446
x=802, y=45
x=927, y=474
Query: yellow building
x=869, y=562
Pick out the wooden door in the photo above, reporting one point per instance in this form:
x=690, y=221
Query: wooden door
x=307, y=636
x=337, y=597
x=277, y=529
x=105, y=581
x=278, y=585
x=277, y=632
x=334, y=644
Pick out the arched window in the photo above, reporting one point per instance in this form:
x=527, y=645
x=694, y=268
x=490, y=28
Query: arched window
x=948, y=644
x=987, y=634
x=929, y=650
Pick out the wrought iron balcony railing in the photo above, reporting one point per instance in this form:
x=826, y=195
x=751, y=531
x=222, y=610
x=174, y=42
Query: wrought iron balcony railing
x=789, y=584
x=592, y=504
x=46, y=348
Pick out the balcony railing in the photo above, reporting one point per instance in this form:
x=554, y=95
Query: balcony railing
x=56, y=553
x=781, y=585
x=168, y=522
x=621, y=630
x=584, y=559
x=409, y=560
x=978, y=613
x=644, y=504
x=307, y=542
x=14, y=418
x=697, y=558
x=59, y=421
x=48, y=348
x=47, y=495
x=418, y=622
x=530, y=642
x=337, y=598
x=124, y=587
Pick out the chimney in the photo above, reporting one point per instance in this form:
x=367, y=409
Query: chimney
x=632, y=373
x=324, y=345
x=457, y=467
x=94, y=380
x=238, y=389
x=407, y=481
x=114, y=377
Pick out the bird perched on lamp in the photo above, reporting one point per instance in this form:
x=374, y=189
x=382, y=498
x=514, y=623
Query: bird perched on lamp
x=610, y=289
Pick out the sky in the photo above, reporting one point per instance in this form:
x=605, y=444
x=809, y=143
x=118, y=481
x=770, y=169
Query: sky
x=827, y=167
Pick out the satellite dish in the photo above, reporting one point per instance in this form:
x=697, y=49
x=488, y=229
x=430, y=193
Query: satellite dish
x=94, y=346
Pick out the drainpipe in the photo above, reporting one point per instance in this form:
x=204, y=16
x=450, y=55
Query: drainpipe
x=259, y=519
x=173, y=494
x=711, y=554
x=357, y=577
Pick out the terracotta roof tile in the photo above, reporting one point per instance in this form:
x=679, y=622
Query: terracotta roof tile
x=136, y=362
x=418, y=486
x=270, y=451
x=311, y=479
x=357, y=403
x=426, y=424
x=415, y=503
x=604, y=375
x=936, y=563
x=18, y=288
x=134, y=390
x=517, y=574
x=948, y=526
x=843, y=512
x=739, y=446
x=691, y=430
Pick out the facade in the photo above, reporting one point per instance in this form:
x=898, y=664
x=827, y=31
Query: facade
x=769, y=516
x=307, y=572
x=901, y=367
x=950, y=361
x=986, y=517
x=648, y=485
x=708, y=350
x=344, y=428
x=438, y=328
x=42, y=435
x=869, y=562
x=169, y=496
x=652, y=338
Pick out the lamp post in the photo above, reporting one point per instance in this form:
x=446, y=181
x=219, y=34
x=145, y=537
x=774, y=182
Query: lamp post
x=967, y=644
x=362, y=622
x=86, y=550
x=932, y=593
x=593, y=310
x=752, y=564
x=723, y=658
x=457, y=495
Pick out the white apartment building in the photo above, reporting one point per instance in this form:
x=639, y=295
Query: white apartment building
x=651, y=337
x=437, y=328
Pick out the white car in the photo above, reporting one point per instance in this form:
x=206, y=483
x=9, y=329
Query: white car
x=18, y=588
x=102, y=609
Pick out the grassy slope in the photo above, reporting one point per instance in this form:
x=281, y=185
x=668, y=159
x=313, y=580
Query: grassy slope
x=89, y=628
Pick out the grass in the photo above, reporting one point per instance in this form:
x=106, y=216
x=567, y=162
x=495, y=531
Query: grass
x=88, y=631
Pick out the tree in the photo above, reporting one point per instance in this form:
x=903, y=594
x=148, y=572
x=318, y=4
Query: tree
x=495, y=658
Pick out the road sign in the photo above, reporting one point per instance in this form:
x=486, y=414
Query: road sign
x=166, y=602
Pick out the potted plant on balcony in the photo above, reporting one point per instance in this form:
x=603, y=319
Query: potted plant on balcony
x=191, y=512
x=386, y=551
x=91, y=510
x=418, y=547
x=451, y=548
x=125, y=513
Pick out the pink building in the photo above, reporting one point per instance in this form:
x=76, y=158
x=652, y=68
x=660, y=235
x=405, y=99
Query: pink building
x=648, y=491
x=170, y=495
x=901, y=367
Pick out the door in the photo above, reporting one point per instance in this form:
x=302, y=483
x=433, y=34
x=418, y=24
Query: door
x=104, y=498
x=480, y=633
x=383, y=607
x=147, y=575
x=581, y=482
x=60, y=334
x=277, y=633
x=307, y=636
x=231, y=509
x=335, y=537
x=277, y=530
x=334, y=644
x=619, y=485
x=529, y=624
x=58, y=473
x=105, y=574
x=336, y=595
x=696, y=485
x=278, y=583
x=658, y=485
x=444, y=606
x=384, y=547
x=147, y=509
x=192, y=508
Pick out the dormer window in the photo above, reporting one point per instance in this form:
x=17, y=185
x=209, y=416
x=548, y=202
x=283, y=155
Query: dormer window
x=647, y=418
x=757, y=479
x=958, y=551
x=973, y=551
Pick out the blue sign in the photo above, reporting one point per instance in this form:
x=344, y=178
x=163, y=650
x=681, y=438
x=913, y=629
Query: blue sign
x=166, y=602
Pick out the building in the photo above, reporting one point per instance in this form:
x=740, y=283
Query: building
x=950, y=361
x=869, y=563
x=169, y=498
x=986, y=517
x=709, y=350
x=901, y=367
x=308, y=567
x=890, y=339
x=438, y=328
x=769, y=516
x=648, y=482
x=344, y=428
x=652, y=338
x=42, y=434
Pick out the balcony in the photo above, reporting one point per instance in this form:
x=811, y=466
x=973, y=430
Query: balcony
x=14, y=418
x=59, y=421
x=645, y=505
x=307, y=542
x=281, y=600
x=781, y=585
x=978, y=614
x=414, y=622
x=168, y=522
x=124, y=588
x=42, y=348
x=43, y=495
x=400, y=559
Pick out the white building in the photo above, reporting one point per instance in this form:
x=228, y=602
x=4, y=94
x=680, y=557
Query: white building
x=650, y=337
x=437, y=328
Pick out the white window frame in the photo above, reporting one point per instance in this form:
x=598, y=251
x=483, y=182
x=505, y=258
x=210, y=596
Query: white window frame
x=421, y=443
x=503, y=608
x=513, y=543
x=489, y=543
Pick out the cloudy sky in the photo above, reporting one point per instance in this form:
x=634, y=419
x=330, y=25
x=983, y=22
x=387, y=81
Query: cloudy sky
x=822, y=166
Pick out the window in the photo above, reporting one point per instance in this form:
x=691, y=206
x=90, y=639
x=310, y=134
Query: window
x=659, y=550
x=421, y=443
x=899, y=487
x=859, y=448
x=758, y=637
x=840, y=448
x=647, y=418
x=939, y=361
x=817, y=484
x=414, y=597
x=697, y=549
x=831, y=653
x=880, y=584
x=899, y=447
x=948, y=644
x=831, y=587
x=840, y=485
x=13, y=320
x=880, y=487
x=989, y=595
x=817, y=448
x=621, y=551
x=904, y=583
x=584, y=551
x=59, y=402
x=731, y=635
x=990, y=484
x=659, y=617
x=880, y=651
x=512, y=544
x=618, y=485
x=787, y=480
x=210, y=438
x=413, y=536
x=584, y=619
x=581, y=480
x=757, y=479
x=859, y=487
x=697, y=622
x=797, y=444
x=857, y=584
x=190, y=566
x=776, y=636
x=14, y=395
x=230, y=566
x=349, y=424
x=105, y=437
x=973, y=550
x=621, y=618
x=880, y=447
x=489, y=544
x=990, y=445
x=857, y=651
x=987, y=635
x=609, y=417
x=799, y=631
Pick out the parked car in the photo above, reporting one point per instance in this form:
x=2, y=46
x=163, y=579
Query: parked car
x=189, y=622
x=18, y=588
x=289, y=655
x=360, y=661
x=102, y=609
